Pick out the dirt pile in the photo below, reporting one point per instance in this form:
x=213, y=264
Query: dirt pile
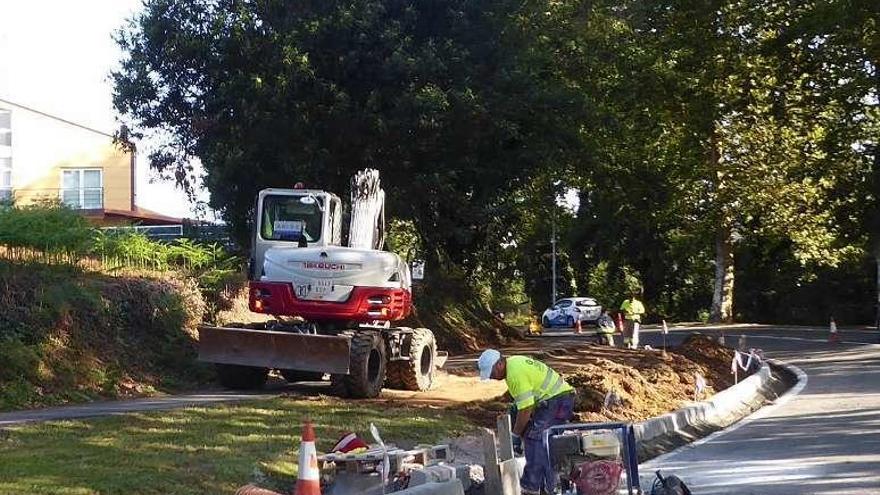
x=644, y=383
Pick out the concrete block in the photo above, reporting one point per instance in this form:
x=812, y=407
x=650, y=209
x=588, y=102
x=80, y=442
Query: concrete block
x=468, y=474
x=446, y=488
x=715, y=409
x=511, y=472
x=433, y=474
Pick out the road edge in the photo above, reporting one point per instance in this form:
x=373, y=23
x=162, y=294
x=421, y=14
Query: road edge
x=773, y=385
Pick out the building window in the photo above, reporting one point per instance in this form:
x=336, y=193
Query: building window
x=82, y=189
x=5, y=155
x=5, y=127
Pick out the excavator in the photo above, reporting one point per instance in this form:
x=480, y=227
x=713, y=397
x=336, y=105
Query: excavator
x=333, y=304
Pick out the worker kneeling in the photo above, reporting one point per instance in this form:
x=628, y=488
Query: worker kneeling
x=543, y=399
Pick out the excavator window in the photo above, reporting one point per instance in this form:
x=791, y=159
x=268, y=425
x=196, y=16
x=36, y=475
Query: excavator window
x=289, y=218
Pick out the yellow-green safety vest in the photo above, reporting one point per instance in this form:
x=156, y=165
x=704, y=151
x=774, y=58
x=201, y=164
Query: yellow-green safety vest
x=633, y=309
x=530, y=381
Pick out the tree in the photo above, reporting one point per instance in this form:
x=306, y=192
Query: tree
x=451, y=101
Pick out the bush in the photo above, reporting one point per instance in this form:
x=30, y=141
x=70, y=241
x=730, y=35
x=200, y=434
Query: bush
x=50, y=233
x=132, y=249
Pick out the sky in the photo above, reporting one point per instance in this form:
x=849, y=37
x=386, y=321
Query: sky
x=56, y=56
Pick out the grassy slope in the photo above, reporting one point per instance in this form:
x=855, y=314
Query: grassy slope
x=67, y=335
x=452, y=310
x=196, y=450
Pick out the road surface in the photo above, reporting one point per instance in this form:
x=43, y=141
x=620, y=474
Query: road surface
x=821, y=439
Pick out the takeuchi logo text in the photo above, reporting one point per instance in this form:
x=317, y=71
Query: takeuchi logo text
x=323, y=265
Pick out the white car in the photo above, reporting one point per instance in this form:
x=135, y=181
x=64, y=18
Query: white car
x=571, y=309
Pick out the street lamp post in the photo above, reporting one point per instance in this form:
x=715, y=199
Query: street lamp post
x=553, y=243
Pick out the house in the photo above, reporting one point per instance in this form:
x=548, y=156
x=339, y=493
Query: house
x=45, y=157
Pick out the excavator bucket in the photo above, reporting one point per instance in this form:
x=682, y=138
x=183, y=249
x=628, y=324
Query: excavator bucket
x=270, y=349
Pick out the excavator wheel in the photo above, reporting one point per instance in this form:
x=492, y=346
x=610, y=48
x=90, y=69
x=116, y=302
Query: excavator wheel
x=367, y=369
x=419, y=372
x=241, y=377
x=338, y=386
x=302, y=376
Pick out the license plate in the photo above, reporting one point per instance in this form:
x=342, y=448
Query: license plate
x=315, y=289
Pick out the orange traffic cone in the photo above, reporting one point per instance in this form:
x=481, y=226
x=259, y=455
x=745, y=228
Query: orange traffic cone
x=309, y=480
x=577, y=326
x=833, y=337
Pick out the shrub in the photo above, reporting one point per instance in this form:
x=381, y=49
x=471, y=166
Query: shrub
x=50, y=233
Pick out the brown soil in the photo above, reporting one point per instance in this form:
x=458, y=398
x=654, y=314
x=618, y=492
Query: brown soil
x=647, y=383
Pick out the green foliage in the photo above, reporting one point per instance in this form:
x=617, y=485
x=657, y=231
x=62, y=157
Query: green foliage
x=687, y=128
x=46, y=232
x=404, y=239
x=136, y=250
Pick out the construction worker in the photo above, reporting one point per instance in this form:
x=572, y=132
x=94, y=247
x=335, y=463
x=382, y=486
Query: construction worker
x=633, y=309
x=542, y=399
x=605, y=328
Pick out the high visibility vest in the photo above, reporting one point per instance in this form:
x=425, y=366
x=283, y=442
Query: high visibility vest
x=633, y=309
x=530, y=381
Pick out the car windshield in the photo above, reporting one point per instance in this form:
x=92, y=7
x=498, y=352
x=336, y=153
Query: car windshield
x=288, y=218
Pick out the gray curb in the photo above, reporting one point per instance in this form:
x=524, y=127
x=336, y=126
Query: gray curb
x=716, y=410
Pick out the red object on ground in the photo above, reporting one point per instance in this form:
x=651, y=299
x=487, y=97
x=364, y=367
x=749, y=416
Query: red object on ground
x=577, y=326
x=349, y=441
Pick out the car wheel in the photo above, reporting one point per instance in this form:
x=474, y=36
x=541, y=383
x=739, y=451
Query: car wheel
x=569, y=322
x=545, y=322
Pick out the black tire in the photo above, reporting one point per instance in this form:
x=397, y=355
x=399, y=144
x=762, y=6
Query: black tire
x=302, y=376
x=569, y=322
x=395, y=370
x=241, y=377
x=418, y=373
x=338, y=386
x=545, y=322
x=367, y=366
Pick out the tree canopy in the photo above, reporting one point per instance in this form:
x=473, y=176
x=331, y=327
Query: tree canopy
x=707, y=142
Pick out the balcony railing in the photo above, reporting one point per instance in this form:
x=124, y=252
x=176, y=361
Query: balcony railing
x=83, y=198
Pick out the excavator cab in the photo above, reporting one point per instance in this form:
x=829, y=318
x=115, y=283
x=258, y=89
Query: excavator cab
x=294, y=218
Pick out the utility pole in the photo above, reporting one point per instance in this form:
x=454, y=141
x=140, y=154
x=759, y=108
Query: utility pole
x=553, y=243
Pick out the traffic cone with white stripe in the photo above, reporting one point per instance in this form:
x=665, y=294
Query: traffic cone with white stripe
x=577, y=326
x=833, y=337
x=309, y=480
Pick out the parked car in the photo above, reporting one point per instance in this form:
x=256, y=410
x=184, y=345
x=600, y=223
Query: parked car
x=571, y=309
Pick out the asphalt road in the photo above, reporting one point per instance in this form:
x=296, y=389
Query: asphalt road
x=821, y=438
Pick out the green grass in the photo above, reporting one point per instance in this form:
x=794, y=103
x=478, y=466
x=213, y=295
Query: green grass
x=195, y=450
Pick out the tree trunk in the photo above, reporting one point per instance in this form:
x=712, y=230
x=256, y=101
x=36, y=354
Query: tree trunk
x=722, y=299
x=877, y=310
